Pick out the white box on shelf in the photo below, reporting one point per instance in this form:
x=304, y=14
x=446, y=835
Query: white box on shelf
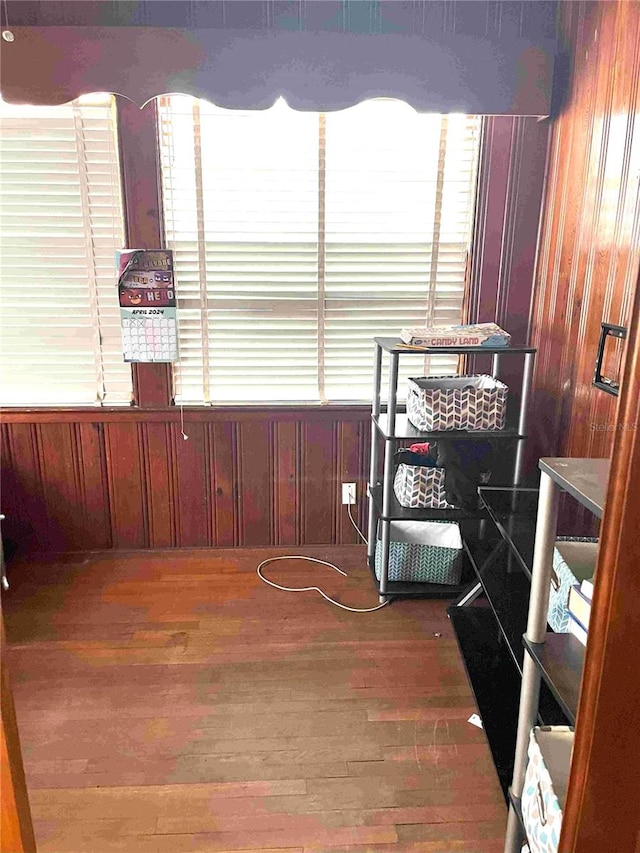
x=469, y=335
x=437, y=403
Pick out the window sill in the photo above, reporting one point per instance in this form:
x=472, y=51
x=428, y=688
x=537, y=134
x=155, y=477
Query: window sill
x=191, y=413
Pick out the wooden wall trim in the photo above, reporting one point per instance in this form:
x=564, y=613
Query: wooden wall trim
x=141, y=191
x=173, y=414
x=513, y=155
x=601, y=811
x=127, y=479
x=511, y=176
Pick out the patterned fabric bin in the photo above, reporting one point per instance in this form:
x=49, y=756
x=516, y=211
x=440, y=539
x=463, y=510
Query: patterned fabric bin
x=581, y=554
x=456, y=402
x=545, y=786
x=420, y=486
x=427, y=551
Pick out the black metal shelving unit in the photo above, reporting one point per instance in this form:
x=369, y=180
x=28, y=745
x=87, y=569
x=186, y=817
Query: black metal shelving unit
x=502, y=564
x=495, y=683
x=391, y=428
x=552, y=661
x=491, y=611
x=491, y=674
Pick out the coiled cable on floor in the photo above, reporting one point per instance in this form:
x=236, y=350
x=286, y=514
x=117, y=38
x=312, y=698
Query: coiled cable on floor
x=317, y=588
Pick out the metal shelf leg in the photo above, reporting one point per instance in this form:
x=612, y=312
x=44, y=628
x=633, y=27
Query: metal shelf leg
x=546, y=525
x=387, y=487
x=373, y=466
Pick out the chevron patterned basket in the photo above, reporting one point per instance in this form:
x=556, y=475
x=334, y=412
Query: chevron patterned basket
x=456, y=402
x=423, y=551
x=420, y=486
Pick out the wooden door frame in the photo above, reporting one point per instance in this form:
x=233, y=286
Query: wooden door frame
x=16, y=830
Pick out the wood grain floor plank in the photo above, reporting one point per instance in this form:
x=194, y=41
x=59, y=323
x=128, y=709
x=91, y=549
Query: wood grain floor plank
x=485, y=834
x=169, y=702
x=311, y=832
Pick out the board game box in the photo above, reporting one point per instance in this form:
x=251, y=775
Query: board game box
x=478, y=335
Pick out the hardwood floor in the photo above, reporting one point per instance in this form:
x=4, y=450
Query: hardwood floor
x=170, y=702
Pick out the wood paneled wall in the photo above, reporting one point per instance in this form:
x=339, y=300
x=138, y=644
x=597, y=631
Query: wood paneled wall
x=510, y=189
x=125, y=478
x=511, y=186
x=75, y=481
x=590, y=239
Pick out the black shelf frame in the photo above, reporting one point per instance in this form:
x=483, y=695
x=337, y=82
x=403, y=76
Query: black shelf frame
x=499, y=563
x=393, y=427
x=517, y=528
x=584, y=479
x=403, y=513
x=495, y=682
x=416, y=589
x=492, y=677
x=560, y=660
x=507, y=593
x=404, y=430
x=554, y=661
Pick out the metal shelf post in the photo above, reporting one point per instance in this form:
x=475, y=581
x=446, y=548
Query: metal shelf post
x=546, y=524
x=387, y=483
x=373, y=466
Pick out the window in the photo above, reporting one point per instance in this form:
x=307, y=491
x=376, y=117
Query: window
x=61, y=224
x=298, y=237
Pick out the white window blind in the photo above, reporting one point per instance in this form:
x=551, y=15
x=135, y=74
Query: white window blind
x=298, y=237
x=61, y=224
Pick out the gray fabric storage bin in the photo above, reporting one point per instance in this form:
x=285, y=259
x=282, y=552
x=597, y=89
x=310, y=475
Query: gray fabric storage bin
x=422, y=551
x=456, y=402
x=420, y=486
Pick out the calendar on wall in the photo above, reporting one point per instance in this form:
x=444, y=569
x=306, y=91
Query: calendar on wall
x=147, y=299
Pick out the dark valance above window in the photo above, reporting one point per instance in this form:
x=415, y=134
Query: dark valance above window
x=464, y=56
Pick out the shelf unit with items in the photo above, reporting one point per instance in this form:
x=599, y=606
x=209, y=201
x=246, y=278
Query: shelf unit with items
x=552, y=659
x=391, y=428
x=490, y=637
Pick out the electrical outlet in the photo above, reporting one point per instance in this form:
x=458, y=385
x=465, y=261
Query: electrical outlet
x=348, y=493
